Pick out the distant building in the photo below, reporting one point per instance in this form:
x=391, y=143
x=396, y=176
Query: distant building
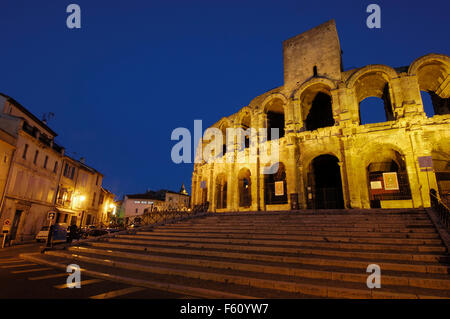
x=79, y=194
x=139, y=204
x=36, y=176
x=107, y=206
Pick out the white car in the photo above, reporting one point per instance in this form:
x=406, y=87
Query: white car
x=43, y=234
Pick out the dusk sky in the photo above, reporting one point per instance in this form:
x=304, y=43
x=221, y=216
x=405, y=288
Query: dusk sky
x=137, y=70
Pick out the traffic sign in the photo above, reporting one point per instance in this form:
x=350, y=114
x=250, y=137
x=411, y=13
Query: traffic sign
x=51, y=215
x=6, y=225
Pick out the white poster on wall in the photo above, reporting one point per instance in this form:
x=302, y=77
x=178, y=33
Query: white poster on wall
x=376, y=185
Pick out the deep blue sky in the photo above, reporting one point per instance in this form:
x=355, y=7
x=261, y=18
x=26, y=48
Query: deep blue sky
x=138, y=69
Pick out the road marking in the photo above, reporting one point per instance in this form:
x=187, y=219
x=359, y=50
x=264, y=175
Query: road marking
x=117, y=293
x=49, y=276
x=82, y=283
x=29, y=270
x=17, y=266
x=11, y=261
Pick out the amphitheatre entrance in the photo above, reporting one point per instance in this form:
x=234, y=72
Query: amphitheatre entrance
x=325, y=183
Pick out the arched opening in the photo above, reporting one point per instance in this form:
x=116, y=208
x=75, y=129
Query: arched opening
x=387, y=178
x=431, y=76
x=223, y=129
x=203, y=192
x=245, y=188
x=245, y=124
x=427, y=102
x=325, y=184
x=317, y=108
x=221, y=191
x=441, y=167
x=275, y=118
x=275, y=187
x=372, y=110
x=374, y=98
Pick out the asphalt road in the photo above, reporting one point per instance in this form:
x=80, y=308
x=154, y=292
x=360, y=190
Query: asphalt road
x=21, y=279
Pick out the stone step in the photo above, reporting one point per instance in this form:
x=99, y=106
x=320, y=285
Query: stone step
x=276, y=234
x=299, y=218
x=293, y=240
x=310, y=267
x=319, y=212
x=279, y=244
x=273, y=253
x=289, y=229
x=317, y=287
x=342, y=223
x=321, y=224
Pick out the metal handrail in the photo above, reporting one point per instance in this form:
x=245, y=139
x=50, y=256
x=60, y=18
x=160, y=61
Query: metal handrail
x=442, y=209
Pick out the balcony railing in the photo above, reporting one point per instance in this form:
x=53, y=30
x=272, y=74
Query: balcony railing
x=164, y=217
x=29, y=129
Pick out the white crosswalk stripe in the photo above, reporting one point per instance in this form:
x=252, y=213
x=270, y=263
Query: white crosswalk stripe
x=29, y=270
x=117, y=293
x=82, y=283
x=48, y=276
x=17, y=266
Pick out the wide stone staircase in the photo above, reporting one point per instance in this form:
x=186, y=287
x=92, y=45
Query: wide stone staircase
x=321, y=254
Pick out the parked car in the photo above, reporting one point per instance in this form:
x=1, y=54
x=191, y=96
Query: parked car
x=60, y=228
x=42, y=235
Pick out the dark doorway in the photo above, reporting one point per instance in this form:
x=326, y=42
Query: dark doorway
x=326, y=183
x=204, y=195
x=245, y=193
x=221, y=192
x=15, y=224
x=275, y=120
x=321, y=113
x=275, y=187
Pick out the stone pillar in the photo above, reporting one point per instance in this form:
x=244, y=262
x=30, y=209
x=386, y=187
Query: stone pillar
x=211, y=188
x=292, y=183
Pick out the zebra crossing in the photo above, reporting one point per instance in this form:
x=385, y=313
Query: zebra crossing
x=47, y=276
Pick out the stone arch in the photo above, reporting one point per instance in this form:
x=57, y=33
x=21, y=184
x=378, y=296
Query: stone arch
x=386, y=71
x=275, y=110
x=269, y=100
x=244, y=121
x=223, y=124
x=386, y=173
x=221, y=191
x=274, y=184
x=428, y=59
x=432, y=73
x=324, y=182
x=315, y=103
x=441, y=167
x=374, y=81
x=245, y=187
x=244, y=117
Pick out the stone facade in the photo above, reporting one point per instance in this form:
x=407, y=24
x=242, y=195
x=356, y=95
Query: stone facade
x=328, y=159
x=37, y=177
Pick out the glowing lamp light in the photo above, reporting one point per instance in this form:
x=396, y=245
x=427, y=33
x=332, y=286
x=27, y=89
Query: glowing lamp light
x=82, y=198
